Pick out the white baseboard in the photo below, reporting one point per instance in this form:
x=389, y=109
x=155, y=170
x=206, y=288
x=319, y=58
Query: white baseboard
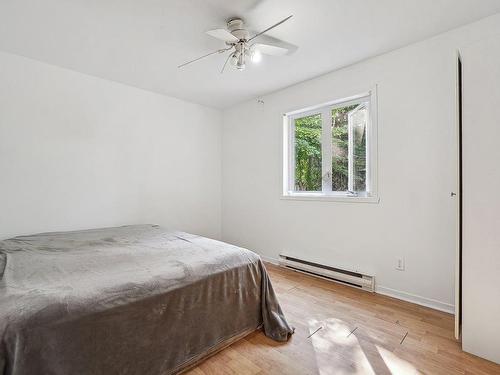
x=408, y=297
x=419, y=300
x=270, y=260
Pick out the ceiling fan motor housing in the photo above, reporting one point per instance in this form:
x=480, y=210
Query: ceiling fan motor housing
x=235, y=26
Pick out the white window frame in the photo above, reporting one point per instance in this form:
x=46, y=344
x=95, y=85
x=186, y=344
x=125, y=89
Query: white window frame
x=371, y=195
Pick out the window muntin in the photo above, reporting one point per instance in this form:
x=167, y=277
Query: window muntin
x=339, y=137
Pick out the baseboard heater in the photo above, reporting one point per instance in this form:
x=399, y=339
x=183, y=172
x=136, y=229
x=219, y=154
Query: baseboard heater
x=346, y=277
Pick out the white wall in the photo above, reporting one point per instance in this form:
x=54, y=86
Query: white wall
x=81, y=152
x=481, y=205
x=416, y=217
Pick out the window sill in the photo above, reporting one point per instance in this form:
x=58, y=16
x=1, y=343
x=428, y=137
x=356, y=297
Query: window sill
x=330, y=198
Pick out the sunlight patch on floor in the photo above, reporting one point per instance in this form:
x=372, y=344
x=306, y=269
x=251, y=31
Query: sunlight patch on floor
x=395, y=364
x=336, y=348
x=339, y=351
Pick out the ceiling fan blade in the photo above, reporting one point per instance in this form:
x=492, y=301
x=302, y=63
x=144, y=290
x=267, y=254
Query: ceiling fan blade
x=270, y=50
x=202, y=57
x=270, y=27
x=222, y=34
x=267, y=39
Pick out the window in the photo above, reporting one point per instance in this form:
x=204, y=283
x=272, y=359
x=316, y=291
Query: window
x=330, y=151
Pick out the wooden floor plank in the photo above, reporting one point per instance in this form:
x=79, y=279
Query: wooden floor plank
x=342, y=330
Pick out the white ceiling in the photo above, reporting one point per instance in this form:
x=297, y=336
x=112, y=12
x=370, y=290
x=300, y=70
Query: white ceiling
x=141, y=42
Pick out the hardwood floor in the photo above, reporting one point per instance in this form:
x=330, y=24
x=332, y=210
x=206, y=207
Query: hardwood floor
x=342, y=330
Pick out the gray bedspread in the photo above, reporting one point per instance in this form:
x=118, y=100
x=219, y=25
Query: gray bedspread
x=128, y=300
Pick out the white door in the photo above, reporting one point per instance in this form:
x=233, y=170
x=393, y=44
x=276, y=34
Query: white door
x=481, y=199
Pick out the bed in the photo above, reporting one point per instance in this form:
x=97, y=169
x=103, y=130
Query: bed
x=129, y=300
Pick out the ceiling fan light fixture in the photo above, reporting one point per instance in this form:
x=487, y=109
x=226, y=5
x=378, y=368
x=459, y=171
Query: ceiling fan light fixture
x=234, y=59
x=241, y=62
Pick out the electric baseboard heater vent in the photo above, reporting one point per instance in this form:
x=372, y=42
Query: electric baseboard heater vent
x=346, y=277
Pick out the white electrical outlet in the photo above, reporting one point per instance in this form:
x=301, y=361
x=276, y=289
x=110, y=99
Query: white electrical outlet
x=400, y=264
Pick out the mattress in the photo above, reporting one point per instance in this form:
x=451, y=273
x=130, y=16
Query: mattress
x=129, y=300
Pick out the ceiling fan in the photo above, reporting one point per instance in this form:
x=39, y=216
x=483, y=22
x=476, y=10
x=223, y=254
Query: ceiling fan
x=239, y=44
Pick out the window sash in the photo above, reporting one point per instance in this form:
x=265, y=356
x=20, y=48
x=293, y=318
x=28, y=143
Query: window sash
x=363, y=101
x=350, y=148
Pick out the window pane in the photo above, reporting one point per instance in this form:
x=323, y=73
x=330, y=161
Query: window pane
x=308, y=153
x=359, y=119
x=340, y=148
